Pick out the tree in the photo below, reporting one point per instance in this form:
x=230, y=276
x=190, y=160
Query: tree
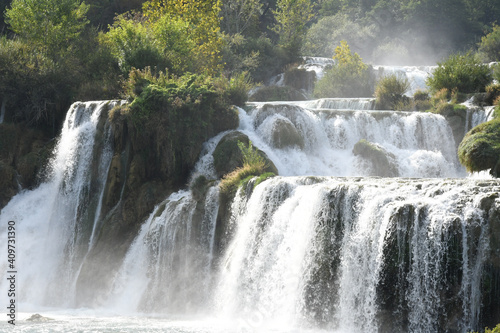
x=490, y=44
x=238, y=15
x=203, y=26
x=349, y=77
x=159, y=44
x=291, y=19
x=49, y=24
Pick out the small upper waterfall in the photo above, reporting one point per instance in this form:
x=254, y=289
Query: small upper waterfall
x=420, y=144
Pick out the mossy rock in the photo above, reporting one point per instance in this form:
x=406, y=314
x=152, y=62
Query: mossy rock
x=285, y=135
x=382, y=161
x=228, y=157
x=480, y=148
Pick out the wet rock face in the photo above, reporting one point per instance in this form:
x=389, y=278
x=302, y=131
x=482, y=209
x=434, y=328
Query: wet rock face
x=149, y=162
x=24, y=153
x=382, y=162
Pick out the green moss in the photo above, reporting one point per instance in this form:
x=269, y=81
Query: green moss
x=480, y=148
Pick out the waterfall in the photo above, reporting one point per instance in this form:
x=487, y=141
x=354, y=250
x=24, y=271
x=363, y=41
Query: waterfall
x=356, y=254
x=169, y=266
x=57, y=219
x=421, y=144
x=416, y=75
x=328, y=244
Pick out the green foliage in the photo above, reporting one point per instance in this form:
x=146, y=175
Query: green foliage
x=291, y=19
x=136, y=43
x=49, y=24
x=480, y=148
x=258, y=56
x=251, y=156
x=254, y=165
x=390, y=92
x=239, y=16
x=461, y=73
x=325, y=35
x=202, y=27
x=236, y=89
x=490, y=44
x=349, y=77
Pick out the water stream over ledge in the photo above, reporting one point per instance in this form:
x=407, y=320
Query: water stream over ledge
x=326, y=246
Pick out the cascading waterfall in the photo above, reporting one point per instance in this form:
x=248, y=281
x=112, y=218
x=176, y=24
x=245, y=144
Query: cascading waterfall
x=420, y=144
x=322, y=246
x=356, y=254
x=58, y=217
x=168, y=267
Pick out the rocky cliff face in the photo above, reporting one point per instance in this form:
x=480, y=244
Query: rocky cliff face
x=151, y=160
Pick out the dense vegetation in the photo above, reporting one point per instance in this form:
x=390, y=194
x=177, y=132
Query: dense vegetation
x=86, y=49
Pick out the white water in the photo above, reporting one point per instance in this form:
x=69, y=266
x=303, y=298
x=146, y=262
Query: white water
x=416, y=75
x=275, y=274
x=50, y=219
x=284, y=238
x=421, y=143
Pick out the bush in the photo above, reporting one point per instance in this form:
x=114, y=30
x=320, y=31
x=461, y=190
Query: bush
x=421, y=95
x=390, y=92
x=460, y=73
x=350, y=77
x=257, y=56
x=480, y=148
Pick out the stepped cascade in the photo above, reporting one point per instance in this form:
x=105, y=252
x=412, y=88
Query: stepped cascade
x=372, y=225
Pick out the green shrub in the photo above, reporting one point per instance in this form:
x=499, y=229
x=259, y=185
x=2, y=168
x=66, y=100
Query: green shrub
x=496, y=72
x=390, y=92
x=460, y=73
x=350, y=77
x=480, y=148
x=258, y=56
